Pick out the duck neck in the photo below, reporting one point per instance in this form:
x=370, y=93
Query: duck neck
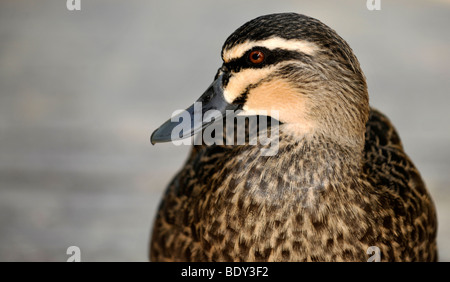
x=321, y=159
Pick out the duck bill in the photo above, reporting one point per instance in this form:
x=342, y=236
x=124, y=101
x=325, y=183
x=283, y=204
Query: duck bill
x=210, y=107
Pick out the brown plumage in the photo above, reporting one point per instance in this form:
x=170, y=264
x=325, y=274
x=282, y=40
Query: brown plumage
x=340, y=182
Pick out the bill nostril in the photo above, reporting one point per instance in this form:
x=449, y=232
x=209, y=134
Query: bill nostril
x=207, y=98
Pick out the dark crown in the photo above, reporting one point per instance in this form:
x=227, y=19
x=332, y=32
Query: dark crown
x=295, y=26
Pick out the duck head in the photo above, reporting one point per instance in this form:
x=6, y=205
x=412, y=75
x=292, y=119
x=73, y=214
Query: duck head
x=293, y=65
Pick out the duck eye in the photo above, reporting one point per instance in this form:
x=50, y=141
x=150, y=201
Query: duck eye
x=256, y=57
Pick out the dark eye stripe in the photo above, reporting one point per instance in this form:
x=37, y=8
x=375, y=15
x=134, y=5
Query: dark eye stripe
x=242, y=99
x=226, y=78
x=272, y=57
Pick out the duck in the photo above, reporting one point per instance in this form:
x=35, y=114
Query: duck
x=339, y=184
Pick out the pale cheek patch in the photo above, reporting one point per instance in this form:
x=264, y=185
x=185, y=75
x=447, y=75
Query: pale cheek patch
x=239, y=82
x=271, y=44
x=279, y=95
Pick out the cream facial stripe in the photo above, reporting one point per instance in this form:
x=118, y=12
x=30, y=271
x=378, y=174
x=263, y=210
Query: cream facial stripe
x=271, y=43
x=239, y=82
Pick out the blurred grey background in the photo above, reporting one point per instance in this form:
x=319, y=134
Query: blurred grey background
x=81, y=91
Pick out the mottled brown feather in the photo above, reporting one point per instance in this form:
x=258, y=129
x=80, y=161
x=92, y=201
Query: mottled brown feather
x=328, y=194
x=231, y=204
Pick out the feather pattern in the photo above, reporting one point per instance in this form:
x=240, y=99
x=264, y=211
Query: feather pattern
x=228, y=203
x=340, y=183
